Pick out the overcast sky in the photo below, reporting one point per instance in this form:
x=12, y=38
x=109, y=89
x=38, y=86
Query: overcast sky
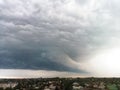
x=56, y=35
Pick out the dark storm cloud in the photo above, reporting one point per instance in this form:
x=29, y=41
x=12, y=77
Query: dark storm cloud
x=52, y=35
x=32, y=59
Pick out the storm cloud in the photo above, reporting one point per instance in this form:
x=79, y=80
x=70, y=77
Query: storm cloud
x=56, y=34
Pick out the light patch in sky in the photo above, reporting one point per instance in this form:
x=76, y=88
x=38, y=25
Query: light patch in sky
x=105, y=63
x=22, y=73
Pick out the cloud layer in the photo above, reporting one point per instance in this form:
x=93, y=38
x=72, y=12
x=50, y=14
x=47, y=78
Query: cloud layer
x=56, y=34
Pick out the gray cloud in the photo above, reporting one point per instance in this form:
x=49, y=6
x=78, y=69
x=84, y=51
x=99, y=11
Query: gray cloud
x=54, y=35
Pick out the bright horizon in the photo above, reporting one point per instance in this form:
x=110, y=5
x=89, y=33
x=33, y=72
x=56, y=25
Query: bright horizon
x=20, y=73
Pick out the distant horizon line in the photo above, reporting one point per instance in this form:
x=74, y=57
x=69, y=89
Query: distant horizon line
x=53, y=77
x=26, y=74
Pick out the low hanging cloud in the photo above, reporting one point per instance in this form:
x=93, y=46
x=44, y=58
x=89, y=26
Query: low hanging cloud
x=55, y=34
